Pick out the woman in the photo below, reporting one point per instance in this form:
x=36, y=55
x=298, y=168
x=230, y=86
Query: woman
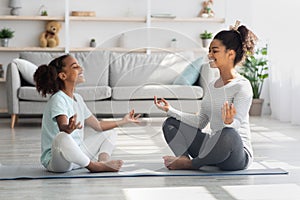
x=225, y=106
x=63, y=144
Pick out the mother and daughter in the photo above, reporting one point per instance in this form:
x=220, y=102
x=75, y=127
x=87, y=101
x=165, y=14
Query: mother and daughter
x=225, y=106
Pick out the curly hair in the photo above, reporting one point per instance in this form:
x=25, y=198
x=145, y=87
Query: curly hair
x=46, y=76
x=242, y=41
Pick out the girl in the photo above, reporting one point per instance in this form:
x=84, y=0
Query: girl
x=225, y=106
x=63, y=145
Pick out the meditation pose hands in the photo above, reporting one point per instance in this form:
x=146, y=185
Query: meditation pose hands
x=228, y=113
x=161, y=104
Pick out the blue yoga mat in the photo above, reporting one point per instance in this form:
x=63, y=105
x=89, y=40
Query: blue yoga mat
x=128, y=170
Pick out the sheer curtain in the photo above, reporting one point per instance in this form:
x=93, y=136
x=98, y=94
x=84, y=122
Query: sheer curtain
x=284, y=54
x=278, y=22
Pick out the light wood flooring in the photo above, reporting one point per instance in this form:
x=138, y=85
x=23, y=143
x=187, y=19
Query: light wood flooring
x=276, y=144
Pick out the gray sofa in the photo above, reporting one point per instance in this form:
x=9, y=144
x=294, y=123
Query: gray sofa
x=116, y=82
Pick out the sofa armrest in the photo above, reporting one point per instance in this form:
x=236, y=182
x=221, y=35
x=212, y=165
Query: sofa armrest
x=13, y=83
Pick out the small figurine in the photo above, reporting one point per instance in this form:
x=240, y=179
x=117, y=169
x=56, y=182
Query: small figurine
x=206, y=10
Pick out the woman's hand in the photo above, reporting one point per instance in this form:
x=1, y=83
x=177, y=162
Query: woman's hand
x=228, y=113
x=131, y=117
x=161, y=104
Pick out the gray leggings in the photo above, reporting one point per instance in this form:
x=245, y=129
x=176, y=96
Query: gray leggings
x=228, y=152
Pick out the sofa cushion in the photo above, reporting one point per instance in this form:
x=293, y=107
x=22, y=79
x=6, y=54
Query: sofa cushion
x=95, y=64
x=96, y=67
x=26, y=69
x=130, y=69
x=87, y=93
x=39, y=58
x=149, y=91
x=93, y=93
x=30, y=94
x=191, y=73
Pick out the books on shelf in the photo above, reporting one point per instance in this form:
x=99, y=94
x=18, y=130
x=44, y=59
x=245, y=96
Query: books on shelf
x=163, y=15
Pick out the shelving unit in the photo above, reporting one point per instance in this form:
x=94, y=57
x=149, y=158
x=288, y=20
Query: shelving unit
x=195, y=19
x=69, y=21
x=30, y=18
x=109, y=19
x=19, y=49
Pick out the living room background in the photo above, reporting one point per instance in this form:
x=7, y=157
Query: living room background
x=268, y=20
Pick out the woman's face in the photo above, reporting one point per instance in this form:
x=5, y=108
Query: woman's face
x=218, y=55
x=73, y=71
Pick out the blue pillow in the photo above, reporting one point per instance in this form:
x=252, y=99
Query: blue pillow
x=190, y=74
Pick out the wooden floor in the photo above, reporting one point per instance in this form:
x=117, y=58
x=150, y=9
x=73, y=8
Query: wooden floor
x=275, y=144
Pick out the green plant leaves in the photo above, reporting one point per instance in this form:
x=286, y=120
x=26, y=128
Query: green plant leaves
x=255, y=70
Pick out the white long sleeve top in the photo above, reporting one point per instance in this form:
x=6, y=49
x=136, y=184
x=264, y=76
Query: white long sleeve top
x=238, y=92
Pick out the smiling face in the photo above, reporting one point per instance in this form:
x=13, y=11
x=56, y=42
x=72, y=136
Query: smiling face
x=72, y=72
x=219, y=56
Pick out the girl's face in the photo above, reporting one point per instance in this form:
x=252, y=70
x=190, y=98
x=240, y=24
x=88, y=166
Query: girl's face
x=73, y=72
x=218, y=55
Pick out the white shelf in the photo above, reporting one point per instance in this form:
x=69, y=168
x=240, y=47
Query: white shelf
x=17, y=49
x=2, y=80
x=30, y=18
x=109, y=19
x=195, y=19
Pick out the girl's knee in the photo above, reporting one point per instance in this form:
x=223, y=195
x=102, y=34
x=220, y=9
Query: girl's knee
x=62, y=138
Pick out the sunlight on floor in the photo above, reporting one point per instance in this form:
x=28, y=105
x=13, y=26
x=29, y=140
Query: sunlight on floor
x=264, y=192
x=164, y=193
x=237, y=192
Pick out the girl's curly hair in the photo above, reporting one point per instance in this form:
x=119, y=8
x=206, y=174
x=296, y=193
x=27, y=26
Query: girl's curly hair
x=46, y=76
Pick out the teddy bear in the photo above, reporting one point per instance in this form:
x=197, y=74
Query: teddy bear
x=206, y=10
x=49, y=38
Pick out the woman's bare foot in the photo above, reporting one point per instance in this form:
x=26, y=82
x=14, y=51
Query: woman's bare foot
x=182, y=162
x=103, y=157
x=108, y=166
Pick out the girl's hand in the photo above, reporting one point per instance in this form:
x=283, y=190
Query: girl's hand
x=161, y=104
x=228, y=113
x=131, y=117
x=68, y=125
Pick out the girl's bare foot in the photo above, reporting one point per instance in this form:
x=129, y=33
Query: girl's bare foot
x=182, y=162
x=108, y=166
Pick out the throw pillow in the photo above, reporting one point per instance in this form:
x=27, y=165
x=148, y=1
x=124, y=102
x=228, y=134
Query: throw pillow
x=190, y=74
x=26, y=69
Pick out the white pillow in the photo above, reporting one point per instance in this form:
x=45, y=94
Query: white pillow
x=26, y=69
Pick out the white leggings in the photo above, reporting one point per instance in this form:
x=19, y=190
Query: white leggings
x=67, y=155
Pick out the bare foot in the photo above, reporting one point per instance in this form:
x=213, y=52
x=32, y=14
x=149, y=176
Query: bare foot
x=103, y=157
x=108, y=166
x=182, y=162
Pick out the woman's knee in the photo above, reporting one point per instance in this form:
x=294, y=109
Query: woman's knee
x=169, y=128
x=230, y=134
x=169, y=122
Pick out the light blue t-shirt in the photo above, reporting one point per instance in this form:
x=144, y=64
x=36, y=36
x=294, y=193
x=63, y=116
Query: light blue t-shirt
x=61, y=104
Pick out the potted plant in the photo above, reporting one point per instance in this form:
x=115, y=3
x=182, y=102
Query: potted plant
x=93, y=42
x=206, y=38
x=255, y=69
x=5, y=35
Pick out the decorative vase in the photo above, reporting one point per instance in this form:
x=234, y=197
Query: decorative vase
x=173, y=44
x=4, y=42
x=93, y=44
x=256, y=107
x=206, y=43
